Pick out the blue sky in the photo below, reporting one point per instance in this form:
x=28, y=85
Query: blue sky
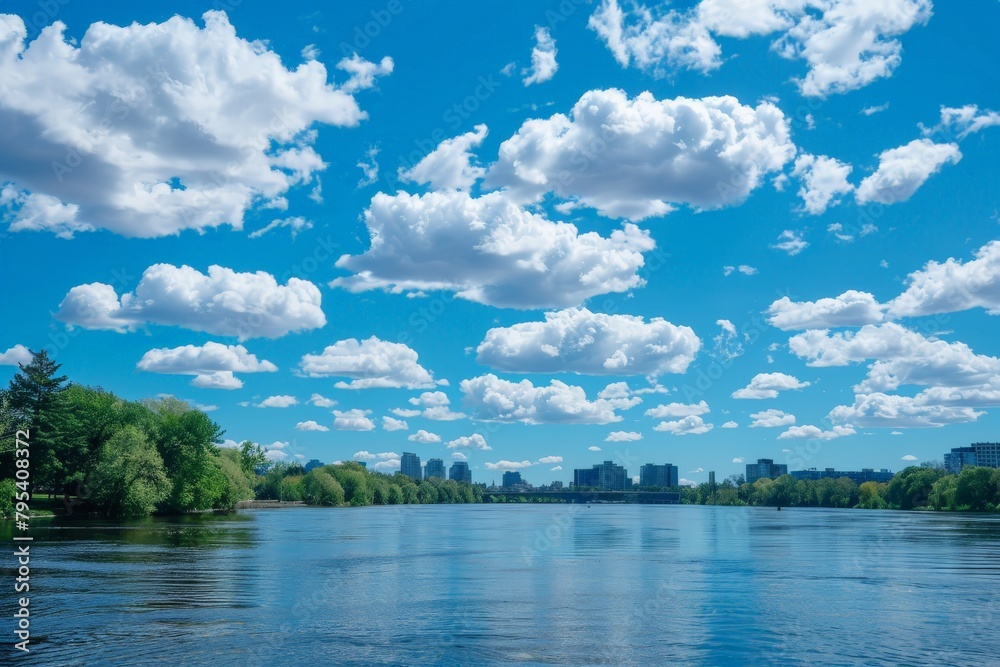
x=777, y=227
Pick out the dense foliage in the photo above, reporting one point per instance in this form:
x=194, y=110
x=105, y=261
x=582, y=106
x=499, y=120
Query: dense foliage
x=354, y=485
x=976, y=489
x=111, y=457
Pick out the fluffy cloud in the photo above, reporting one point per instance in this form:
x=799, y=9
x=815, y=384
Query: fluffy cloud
x=903, y=357
x=623, y=436
x=846, y=45
x=431, y=399
x=730, y=424
x=474, y=441
x=953, y=286
x=960, y=122
x=509, y=465
x=493, y=399
x=771, y=419
x=148, y=130
x=352, y=420
x=212, y=364
x=497, y=252
x=579, y=341
x=310, y=426
x=435, y=407
x=940, y=287
x=543, y=58
x=738, y=459
x=815, y=433
x=889, y=411
x=449, y=166
x=594, y=448
x=850, y=309
x=824, y=180
x=18, y=354
x=641, y=157
x=692, y=425
x=459, y=456
x=550, y=459
x=273, y=455
x=678, y=410
x=223, y=302
x=424, y=437
x=790, y=241
x=390, y=424
x=767, y=385
x=281, y=401
x=321, y=401
x=370, y=363
x=909, y=457
x=902, y=170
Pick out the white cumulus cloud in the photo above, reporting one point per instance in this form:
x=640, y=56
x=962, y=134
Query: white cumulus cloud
x=850, y=309
x=901, y=171
x=369, y=363
x=815, y=433
x=543, y=58
x=280, y=401
x=223, y=302
x=310, y=425
x=498, y=252
x=642, y=157
x=450, y=165
x=353, y=420
x=212, y=364
x=493, y=399
x=150, y=129
x=692, y=425
x=767, y=385
x=15, y=355
x=824, y=181
x=424, y=437
x=474, y=441
x=579, y=341
x=771, y=419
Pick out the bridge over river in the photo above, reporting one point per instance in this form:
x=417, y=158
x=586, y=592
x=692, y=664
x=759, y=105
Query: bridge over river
x=634, y=497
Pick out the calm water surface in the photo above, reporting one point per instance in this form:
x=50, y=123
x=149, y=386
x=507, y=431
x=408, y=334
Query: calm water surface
x=518, y=585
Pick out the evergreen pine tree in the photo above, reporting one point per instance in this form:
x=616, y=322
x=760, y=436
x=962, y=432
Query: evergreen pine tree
x=37, y=398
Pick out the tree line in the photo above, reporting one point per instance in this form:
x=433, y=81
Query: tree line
x=97, y=454
x=925, y=487
x=351, y=484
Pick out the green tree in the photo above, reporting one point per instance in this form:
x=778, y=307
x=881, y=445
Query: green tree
x=911, y=487
x=975, y=488
x=427, y=493
x=320, y=488
x=252, y=456
x=238, y=482
x=129, y=479
x=7, y=490
x=184, y=438
x=37, y=397
x=943, y=493
x=870, y=496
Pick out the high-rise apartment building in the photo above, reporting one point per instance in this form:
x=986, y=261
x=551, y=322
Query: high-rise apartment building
x=409, y=465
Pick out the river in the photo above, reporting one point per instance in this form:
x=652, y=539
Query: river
x=517, y=585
